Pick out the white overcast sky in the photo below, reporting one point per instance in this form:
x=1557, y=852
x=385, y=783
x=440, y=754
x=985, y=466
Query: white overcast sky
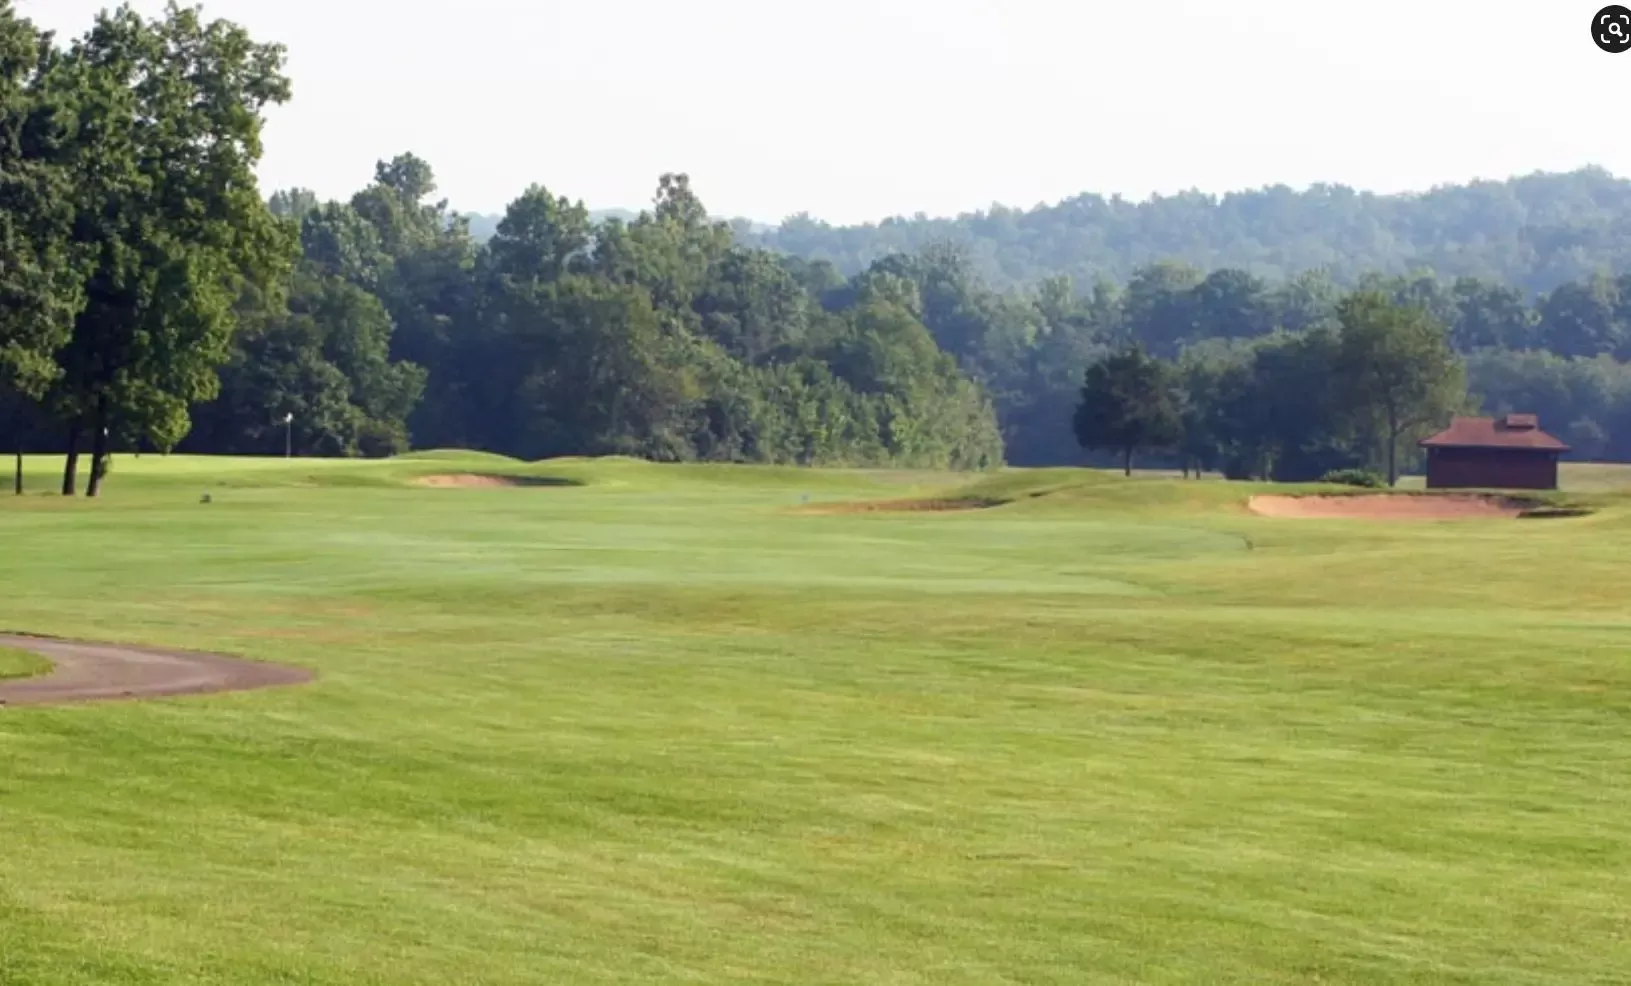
x=859, y=109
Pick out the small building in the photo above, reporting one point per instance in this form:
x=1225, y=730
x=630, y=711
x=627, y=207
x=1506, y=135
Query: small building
x=1508, y=453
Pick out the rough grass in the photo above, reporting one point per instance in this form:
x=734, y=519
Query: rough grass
x=664, y=728
x=21, y=664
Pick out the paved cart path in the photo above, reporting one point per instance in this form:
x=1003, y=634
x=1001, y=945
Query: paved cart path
x=86, y=672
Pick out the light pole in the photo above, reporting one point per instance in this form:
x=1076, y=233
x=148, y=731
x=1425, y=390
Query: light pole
x=288, y=435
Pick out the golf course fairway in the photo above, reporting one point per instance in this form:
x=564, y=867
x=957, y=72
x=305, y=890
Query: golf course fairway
x=604, y=721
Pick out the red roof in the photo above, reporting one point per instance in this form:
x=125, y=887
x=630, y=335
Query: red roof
x=1515, y=431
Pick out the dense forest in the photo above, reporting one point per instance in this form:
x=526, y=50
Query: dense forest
x=1533, y=233
x=155, y=298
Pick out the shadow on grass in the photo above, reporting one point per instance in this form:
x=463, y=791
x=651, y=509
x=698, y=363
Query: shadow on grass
x=466, y=481
x=1551, y=512
x=942, y=505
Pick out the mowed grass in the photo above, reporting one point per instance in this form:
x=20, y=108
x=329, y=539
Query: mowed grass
x=673, y=725
x=21, y=664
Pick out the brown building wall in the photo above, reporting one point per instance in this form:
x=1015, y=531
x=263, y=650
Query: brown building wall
x=1493, y=469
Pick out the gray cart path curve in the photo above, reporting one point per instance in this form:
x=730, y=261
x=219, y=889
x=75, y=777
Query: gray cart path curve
x=86, y=672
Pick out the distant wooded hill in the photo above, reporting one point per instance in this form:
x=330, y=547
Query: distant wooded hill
x=1532, y=232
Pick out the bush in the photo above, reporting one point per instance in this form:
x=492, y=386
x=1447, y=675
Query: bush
x=1366, y=478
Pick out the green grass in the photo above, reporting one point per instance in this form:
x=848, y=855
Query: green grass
x=671, y=726
x=21, y=664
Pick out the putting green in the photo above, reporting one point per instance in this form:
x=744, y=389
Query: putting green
x=668, y=724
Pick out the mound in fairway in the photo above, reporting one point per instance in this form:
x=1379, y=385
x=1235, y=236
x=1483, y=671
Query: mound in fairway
x=470, y=481
x=1384, y=506
x=84, y=672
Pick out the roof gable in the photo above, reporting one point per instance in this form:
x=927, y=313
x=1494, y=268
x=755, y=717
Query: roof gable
x=1514, y=431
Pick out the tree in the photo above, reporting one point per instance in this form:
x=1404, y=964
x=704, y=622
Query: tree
x=1232, y=304
x=1037, y=395
x=417, y=257
x=1307, y=420
x=668, y=250
x=1210, y=376
x=753, y=307
x=1396, y=363
x=607, y=379
x=541, y=238
x=339, y=242
x=1159, y=308
x=40, y=290
x=1129, y=402
x=293, y=203
x=323, y=355
x=1490, y=316
x=168, y=207
x=1581, y=318
x=1306, y=300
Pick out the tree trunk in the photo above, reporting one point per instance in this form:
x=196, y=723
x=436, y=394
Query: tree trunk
x=99, y=447
x=70, y=470
x=1127, y=464
x=1392, y=447
x=19, y=481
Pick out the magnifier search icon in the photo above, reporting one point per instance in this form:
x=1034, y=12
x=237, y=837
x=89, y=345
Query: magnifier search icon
x=1611, y=28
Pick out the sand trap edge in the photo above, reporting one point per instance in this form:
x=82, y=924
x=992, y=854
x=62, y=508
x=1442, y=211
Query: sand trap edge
x=1391, y=506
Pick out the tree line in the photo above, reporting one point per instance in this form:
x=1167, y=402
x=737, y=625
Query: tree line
x=1532, y=232
x=657, y=337
x=1562, y=355
x=1349, y=398
x=153, y=298
x=157, y=300
x=131, y=220
x=663, y=337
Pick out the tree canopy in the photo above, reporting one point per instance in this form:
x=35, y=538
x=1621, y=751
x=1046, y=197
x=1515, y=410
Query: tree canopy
x=1129, y=402
x=168, y=216
x=41, y=268
x=1395, y=362
x=1532, y=233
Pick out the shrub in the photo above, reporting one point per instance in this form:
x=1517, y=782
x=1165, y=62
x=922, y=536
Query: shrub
x=1366, y=478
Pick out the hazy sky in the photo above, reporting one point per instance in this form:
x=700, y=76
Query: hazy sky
x=859, y=109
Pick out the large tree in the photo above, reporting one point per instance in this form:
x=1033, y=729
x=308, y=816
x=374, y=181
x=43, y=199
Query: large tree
x=1129, y=402
x=321, y=356
x=40, y=290
x=1397, y=364
x=416, y=254
x=168, y=207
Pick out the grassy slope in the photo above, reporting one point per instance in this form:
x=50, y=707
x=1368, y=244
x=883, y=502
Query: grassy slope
x=662, y=728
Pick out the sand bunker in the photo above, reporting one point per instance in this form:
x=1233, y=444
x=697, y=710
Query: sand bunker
x=1389, y=507
x=473, y=481
x=98, y=672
